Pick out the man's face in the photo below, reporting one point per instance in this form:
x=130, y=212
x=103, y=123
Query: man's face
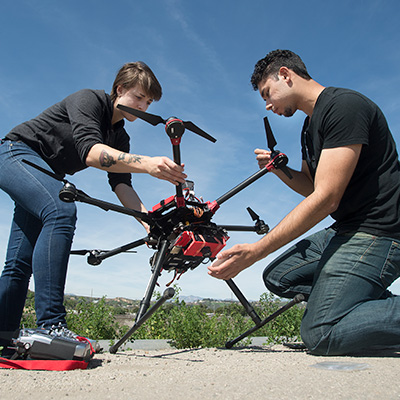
x=277, y=95
x=134, y=97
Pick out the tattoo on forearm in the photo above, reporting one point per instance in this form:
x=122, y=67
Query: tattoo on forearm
x=106, y=160
x=133, y=158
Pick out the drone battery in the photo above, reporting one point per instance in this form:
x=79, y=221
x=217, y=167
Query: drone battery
x=197, y=245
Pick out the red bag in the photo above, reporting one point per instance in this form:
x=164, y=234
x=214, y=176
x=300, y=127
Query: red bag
x=44, y=365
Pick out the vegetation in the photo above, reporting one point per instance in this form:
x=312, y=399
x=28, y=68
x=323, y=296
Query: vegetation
x=202, y=324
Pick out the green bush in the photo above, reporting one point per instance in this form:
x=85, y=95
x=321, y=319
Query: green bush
x=185, y=325
x=189, y=326
x=94, y=319
x=285, y=327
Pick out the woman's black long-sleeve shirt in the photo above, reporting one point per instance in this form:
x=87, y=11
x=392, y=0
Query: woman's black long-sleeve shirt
x=64, y=133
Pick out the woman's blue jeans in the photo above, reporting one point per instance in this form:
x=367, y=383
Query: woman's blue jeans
x=40, y=239
x=344, y=279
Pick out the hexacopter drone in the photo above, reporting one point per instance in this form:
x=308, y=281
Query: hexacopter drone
x=181, y=231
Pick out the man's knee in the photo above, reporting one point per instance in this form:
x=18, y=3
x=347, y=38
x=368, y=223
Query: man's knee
x=271, y=284
x=315, y=336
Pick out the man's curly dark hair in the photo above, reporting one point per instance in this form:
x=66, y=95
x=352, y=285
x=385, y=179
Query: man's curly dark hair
x=273, y=61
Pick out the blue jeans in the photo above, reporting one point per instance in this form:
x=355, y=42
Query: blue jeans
x=40, y=239
x=344, y=278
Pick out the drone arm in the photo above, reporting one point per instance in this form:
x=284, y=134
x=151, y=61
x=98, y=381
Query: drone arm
x=177, y=159
x=279, y=161
x=257, y=175
x=95, y=258
x=238, y=228
x=69, y=193
x=260, y=229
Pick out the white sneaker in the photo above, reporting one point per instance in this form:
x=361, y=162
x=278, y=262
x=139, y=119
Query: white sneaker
x=63, y=331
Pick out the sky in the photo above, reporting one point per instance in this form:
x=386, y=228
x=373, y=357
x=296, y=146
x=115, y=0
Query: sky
x=203, y=54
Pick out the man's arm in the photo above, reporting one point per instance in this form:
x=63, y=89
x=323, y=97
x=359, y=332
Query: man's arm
x=334, y=171
x=301, y=181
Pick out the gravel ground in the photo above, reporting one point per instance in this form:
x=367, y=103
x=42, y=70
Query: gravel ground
x=253, y=372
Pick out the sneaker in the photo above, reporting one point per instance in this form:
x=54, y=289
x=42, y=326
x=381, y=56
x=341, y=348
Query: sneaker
x=46, y=344
x=63, y=331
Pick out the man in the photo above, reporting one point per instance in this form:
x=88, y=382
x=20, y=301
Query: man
x=350, y=170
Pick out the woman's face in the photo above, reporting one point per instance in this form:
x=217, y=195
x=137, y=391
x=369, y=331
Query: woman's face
x=134, y=97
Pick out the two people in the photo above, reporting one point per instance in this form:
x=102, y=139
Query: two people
x=350, y=170
x=86, y=129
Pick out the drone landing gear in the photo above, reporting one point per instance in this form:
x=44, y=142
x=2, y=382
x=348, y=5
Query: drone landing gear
x=168, y=294
x=253, y=314
x=144, y=314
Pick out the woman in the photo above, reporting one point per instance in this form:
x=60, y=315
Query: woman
x=86, y=129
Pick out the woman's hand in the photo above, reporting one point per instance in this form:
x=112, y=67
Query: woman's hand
x=165, y=168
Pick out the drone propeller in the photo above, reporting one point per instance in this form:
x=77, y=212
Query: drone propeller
x=261, y=226
x=281, y=161
x=45, y=171
x=253, y=215
x=271, y=142
x=150, y=118
x=155, y=120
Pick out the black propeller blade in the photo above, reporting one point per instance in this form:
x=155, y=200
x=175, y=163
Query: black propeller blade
x=253, y=215
x=261, y=226
x=271, y=142
x=281, y=159
x=155, y=120
x=150, y=118
x=192, y=127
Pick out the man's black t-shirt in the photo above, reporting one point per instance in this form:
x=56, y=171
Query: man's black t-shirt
x=64, y=133
x=371, y=202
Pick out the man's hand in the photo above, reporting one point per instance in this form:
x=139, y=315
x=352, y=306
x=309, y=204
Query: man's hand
x=231, y=262
x=263, y=157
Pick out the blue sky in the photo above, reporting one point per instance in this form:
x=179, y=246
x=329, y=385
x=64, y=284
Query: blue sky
x=203, y=53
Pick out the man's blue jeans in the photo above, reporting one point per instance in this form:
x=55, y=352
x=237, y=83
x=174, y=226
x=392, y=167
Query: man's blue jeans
x=344, y=279
x=40, y=239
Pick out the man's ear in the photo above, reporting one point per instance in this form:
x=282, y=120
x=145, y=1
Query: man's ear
x=285, y=74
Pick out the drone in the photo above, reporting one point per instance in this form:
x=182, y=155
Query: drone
x=181, y=231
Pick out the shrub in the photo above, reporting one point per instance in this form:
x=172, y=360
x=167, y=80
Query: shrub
x=189, y=326
x=185, y=325
x=94, y=319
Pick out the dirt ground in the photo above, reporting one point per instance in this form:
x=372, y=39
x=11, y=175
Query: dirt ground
x=253, y=372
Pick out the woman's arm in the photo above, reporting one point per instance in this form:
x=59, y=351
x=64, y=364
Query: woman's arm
x=111, y=160
x=130, y=199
